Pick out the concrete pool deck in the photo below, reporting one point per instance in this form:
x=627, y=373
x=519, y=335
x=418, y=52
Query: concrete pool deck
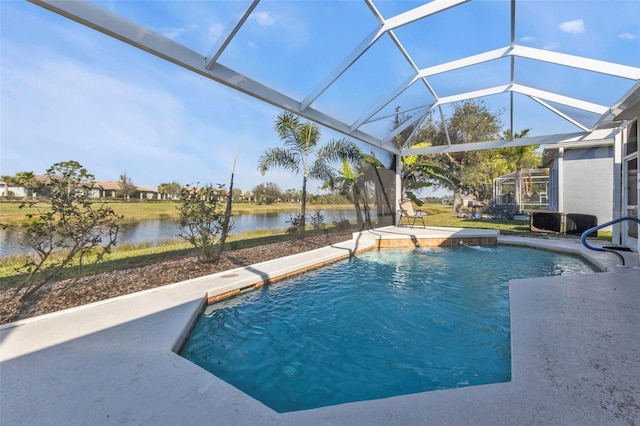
x=575, y=343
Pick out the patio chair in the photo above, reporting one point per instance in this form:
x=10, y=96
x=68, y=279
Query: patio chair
x=406, y=210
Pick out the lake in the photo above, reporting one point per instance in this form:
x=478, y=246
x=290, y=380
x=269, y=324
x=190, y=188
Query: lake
x=155, y=230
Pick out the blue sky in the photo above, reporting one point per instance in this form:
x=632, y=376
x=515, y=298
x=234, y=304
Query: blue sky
x=69, y=92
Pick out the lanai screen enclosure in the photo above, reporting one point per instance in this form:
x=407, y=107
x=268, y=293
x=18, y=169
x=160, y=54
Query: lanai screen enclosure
x=420, y=56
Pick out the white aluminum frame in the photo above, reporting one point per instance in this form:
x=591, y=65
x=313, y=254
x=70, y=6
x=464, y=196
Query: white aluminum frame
x=107, y=22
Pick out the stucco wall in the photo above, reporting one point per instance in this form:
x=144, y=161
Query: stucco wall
x=588, y=182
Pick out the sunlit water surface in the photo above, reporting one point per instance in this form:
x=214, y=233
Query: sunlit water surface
x=384, y=323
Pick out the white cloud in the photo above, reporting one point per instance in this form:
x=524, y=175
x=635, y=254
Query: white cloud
x=573, y=27
x=264, y=18
x=215, y=31
x=527, y=39
x=627, y=36
x=551, y=46
x=86, y=115
x=253, y=45
x=173, y=33
x=159, y=126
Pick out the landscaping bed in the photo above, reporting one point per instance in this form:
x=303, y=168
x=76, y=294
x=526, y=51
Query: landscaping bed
x=57, y=295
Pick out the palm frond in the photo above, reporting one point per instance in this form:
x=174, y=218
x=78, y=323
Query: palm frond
x=434, y=172
x=285, y=124
x=346, y=170
x=339, y=149
x=372, y=159
x=278, y=157
x=306, y=138
x=321, y=171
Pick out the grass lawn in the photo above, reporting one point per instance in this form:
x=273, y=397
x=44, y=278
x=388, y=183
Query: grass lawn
x=10, y=212
x=438, y=215
x=129, y=255
x=133, y=255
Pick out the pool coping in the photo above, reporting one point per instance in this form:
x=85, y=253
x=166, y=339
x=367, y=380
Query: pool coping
x=114, y=360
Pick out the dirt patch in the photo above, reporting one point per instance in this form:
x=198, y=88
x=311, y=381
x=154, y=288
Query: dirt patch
x=102, y=286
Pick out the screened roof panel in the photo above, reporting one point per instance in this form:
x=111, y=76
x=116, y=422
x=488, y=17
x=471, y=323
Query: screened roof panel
x=472, y=78
x=380, y=128
x=412, y=98
x=445, y=36
x=586, y=118
x=605, y=30
x=531, y=114
x=389, y=9
x=353, y=94
x=347, y=64
x=497, y=104
x=296, y=44
x=196, y=24
x=570, y=81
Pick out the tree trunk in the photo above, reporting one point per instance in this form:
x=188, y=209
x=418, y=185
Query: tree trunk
x=367, y=213
x=383, y=189
x=226, y=222
x=303, y=209
x=356, y=203
x=457, y=201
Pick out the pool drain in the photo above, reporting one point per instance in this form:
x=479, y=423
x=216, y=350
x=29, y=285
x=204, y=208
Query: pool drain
x=289, y=370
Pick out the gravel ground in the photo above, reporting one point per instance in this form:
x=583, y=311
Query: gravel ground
x=55, y=297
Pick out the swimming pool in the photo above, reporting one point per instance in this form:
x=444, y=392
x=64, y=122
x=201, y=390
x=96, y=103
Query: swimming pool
x=381, y=324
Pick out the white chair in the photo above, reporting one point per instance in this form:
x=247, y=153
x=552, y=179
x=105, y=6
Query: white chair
x=406, y=210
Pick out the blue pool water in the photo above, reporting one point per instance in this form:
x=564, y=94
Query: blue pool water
x=384, y=323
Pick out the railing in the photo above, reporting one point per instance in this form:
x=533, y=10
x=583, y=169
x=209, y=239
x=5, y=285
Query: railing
x=583, y=237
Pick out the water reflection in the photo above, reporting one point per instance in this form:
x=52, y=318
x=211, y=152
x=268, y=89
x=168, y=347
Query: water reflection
x=155, y=230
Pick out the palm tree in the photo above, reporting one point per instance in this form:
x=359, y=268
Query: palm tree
x=8, y=181
x=300, y=143
x=419, y=171
x=163, y=191
x=349, y=180
x=351, y=176
x=521, y=156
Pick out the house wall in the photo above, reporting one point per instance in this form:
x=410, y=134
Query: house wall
x=583, y=177
x=588, y=182
x=17, y=191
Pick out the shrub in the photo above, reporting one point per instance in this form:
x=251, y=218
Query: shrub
x=68, y=232
x=317, y=220
x=203, y=220
x=296, y=224
x=341, y=223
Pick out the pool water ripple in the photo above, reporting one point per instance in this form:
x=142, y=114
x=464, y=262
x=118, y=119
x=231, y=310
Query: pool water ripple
x=381, y=324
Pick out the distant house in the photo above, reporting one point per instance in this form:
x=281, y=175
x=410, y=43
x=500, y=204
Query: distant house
x=105, y=189
x=101, y=189
x=109, y=189
x=146, y=193
x=11, y=190
x=577, y=169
